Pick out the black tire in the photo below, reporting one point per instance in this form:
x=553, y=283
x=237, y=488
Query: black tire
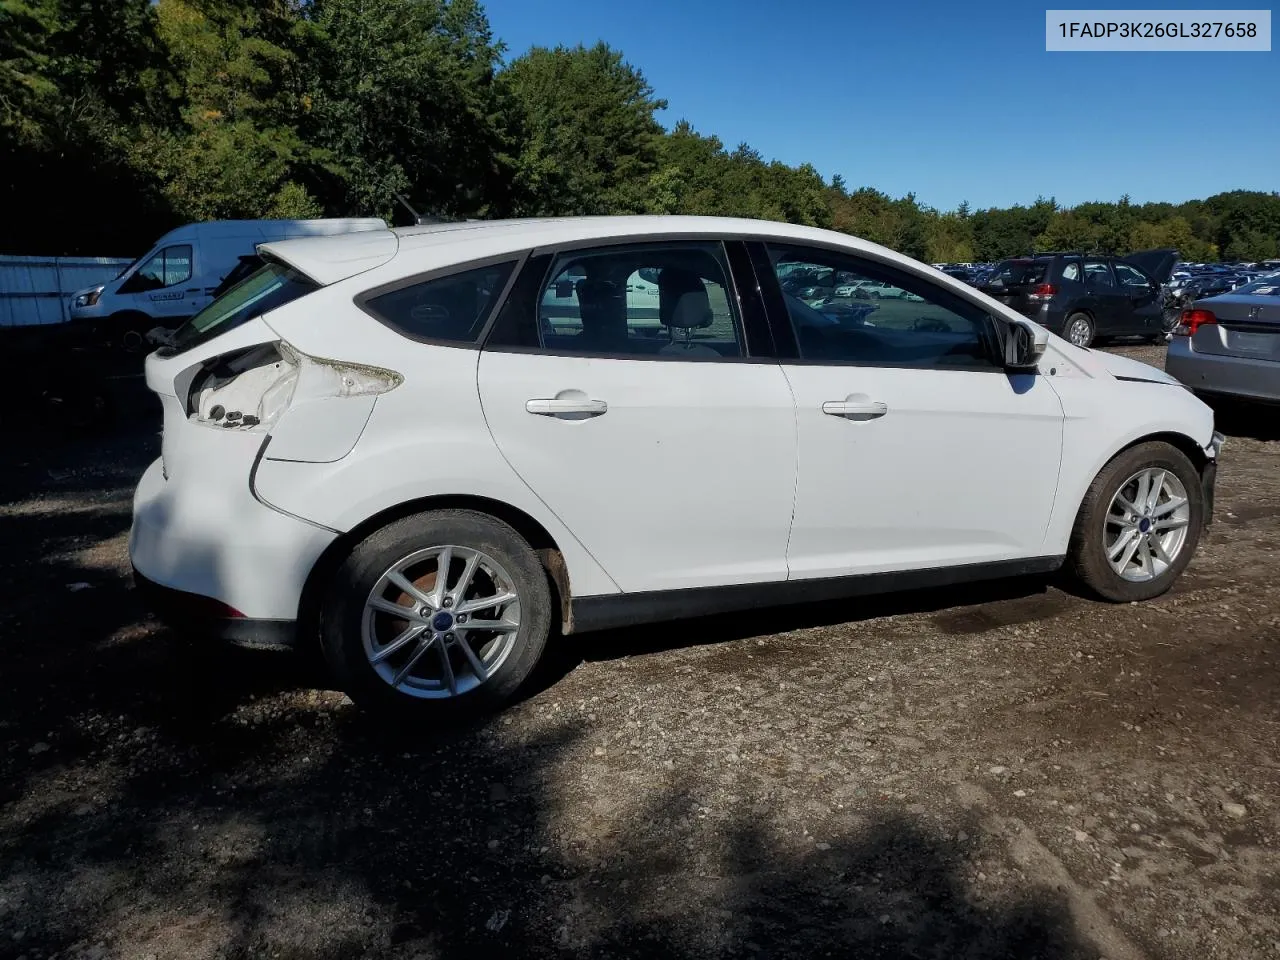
x=1071, y=320
x=1086, y=556
x=342, y=613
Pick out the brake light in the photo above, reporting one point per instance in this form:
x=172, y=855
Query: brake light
x=1193, y=320
x=1044, y=291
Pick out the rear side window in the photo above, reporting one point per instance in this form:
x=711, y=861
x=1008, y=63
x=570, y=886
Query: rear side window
x=268, y=287
x=451, y=309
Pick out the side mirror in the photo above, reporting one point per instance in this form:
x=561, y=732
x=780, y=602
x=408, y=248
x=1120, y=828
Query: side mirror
x=1024, y=345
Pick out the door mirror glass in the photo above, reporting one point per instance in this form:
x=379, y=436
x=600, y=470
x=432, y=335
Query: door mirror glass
x=1024, y=345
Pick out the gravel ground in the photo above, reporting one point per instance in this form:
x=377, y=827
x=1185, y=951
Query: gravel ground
x=1007, y=770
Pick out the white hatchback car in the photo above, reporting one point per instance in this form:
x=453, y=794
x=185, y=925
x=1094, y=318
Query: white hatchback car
x=417, y=449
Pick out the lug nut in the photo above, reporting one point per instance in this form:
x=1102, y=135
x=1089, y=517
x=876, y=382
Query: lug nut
x=462, y=618
x=448, y=601
x=448, y=638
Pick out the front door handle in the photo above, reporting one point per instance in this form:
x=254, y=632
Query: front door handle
x=567, y=408
x=852, y=409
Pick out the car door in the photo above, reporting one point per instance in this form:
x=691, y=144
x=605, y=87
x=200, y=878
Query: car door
x=916, y=450
x=1142, y=299
x=1110, y=307
x=644, y=422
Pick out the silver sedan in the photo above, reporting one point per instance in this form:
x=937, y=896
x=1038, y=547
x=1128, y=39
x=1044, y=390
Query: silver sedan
x=1230, y=345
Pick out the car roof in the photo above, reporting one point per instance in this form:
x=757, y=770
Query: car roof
x=426, y=247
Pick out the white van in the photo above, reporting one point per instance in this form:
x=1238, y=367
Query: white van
x=177, y=277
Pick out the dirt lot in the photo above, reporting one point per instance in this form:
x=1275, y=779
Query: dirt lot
x=999, y=771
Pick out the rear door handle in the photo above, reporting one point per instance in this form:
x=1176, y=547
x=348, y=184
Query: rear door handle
x=567, y=408
x=855, y=409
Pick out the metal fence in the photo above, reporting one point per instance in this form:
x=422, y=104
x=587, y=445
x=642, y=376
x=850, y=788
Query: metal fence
x=37, y=290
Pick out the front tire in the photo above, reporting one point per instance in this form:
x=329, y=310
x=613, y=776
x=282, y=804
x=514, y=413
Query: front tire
x=400, y=637
x=1139, y=524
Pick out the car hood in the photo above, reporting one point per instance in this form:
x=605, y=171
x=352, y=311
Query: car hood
x=1123, y=368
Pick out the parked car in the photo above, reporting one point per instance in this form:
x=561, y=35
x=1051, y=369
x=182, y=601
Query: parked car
x=1085, y=297
x=181, y=274
x=376, y=444
x=874, y=290
x=1229, y=345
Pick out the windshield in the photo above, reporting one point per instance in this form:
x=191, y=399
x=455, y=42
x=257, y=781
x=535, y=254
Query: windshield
x=128, y=268
x=1014, y=272
x=265, y=289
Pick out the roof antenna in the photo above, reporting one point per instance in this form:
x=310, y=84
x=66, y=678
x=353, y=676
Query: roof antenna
x=418, y=218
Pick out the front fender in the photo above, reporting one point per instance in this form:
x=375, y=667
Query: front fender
x=1105, y=416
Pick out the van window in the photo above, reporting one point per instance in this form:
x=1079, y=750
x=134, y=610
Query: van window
x=269, y=287
x=168, y=267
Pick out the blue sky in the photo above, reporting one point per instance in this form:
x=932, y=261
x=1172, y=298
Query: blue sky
x=952, y=101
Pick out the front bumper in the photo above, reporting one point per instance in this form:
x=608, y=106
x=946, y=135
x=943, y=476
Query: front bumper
x=1209, y=475
x=204, y=534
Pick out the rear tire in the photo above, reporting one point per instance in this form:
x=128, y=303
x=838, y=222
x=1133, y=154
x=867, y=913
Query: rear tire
x=1103, y=554
x=1079, y=329
x=459, y=668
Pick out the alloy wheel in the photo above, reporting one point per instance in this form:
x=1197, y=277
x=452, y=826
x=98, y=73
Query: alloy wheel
x=1079, y=332
x=441, y=621
x=1146, y=525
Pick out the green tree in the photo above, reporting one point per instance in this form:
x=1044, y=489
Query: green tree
x=76, y=78
x=589, y=140
x=403, y=96
x=237, y=152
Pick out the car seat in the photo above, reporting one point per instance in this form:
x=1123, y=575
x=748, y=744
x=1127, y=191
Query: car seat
x=683, y=304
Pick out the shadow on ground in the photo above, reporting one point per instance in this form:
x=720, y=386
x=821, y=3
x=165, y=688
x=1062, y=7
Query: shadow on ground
x=163, y=798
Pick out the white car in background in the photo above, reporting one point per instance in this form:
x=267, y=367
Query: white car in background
x=382, y=443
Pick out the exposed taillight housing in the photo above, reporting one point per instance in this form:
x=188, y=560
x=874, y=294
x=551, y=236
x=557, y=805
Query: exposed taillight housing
x=1043, y=292
x=250, y=389
x=1193, y=320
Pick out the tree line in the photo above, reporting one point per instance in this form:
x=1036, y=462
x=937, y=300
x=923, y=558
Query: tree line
x=122, y=118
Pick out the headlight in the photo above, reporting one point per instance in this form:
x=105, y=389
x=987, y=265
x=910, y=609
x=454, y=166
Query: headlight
x=88, y=299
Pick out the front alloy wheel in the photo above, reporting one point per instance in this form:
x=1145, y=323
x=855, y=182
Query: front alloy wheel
x=1139, y=524
x=1146, y=525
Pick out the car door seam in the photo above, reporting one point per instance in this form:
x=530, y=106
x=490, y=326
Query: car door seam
x=484, y=415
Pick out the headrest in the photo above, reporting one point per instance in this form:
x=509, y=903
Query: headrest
x=682, y=300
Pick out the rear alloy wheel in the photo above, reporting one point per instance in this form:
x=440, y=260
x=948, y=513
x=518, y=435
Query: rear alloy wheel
x=445, y=610
x=1139, y=524
x=1079, y=329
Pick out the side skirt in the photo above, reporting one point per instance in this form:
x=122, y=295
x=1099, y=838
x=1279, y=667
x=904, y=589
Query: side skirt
x=628, y=609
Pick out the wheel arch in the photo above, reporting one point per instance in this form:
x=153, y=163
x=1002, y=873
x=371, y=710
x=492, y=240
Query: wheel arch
x=535, y=534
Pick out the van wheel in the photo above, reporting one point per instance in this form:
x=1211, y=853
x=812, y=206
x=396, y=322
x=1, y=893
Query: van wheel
x=1079, y=329
x=444, y=611
x=1139, y=523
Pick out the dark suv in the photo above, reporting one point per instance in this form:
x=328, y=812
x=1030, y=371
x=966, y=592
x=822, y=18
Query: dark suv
x=1084, y=297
